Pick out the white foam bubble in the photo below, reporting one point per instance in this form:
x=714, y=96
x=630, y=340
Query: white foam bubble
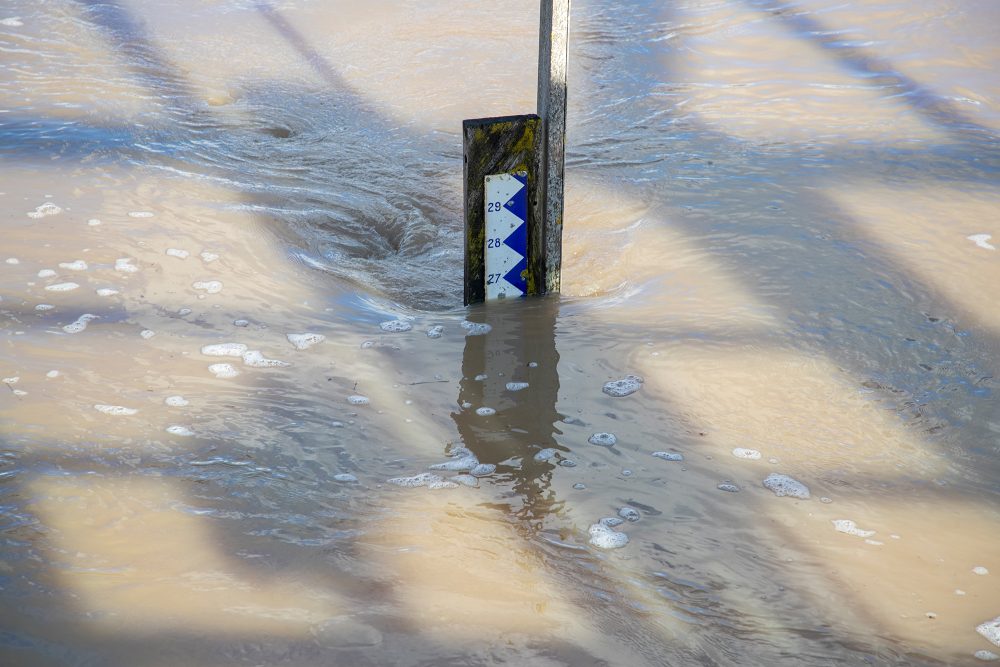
x=395, y=326
x=241, y=323
x=467, y=480
x=612, y=521
x=627, y=385
x=480, y=377
x=345, y=477
x=42, y=307
x=107, y=291
x=545, y=454
x=476, y=328
x=256, y=359
x=441, y=484
x=982, y=240
x=668, y=456
x=224, y=350
x=358, y=399
x=61, y=287
x=147, y=333
x=182, y=431
x=115, y=410
x=208, y=257
x=12, y=22
x=466, y=405
x=748, y=454
x=629, y=514
x=75, y=265
x=46, y=209
x=728, y=487
x=176, y=401
x=184, y=312
x=874, y=543
x=579, y=486
x=532, y=364
x=783, y=485
x=435, y=331
x=208, y=286
x=423, y=479
x=80, y=324
x=46, y=273
x=303, y=341
x=850, y=528
x=11, y=380
x=179, y=253
x=516, y=386
x=483, y=470
x=485, y=411
x=53, y=374
x=140, y=214
x=125, y=265
x=603, y=537
x=990, y=630
x=603, y=439
x=980, y=570
x=959, y=591
x=458, y=464
x=567, y=463
x=93, y=222
x=12, y=261
x=223, y=371
x=986, y=656
x=19, y=392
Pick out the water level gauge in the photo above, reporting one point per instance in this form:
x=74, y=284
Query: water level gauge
x=506, y=235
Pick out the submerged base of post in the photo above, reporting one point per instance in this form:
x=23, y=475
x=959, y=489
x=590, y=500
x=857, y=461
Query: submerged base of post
x=504, y=242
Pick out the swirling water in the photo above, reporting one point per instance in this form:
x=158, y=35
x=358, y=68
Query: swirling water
x=780, y=216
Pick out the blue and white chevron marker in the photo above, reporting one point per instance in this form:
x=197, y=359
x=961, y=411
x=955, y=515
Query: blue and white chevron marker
x=506, y=235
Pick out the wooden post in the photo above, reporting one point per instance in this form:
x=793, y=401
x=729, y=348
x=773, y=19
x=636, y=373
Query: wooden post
x=553, y=48
x=503, y=150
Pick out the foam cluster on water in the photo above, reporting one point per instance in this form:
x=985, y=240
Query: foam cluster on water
x=423, y=479
x=345, y=477
x=224, y=350
x=603, y=439
x=982, y=240
x=619, y=388
x=106, y=291
x=748, y=454
x=256, y=359
x=12, y=261
x=358, y=399
x=395, y=326
x=485, y=411
x=435, y=331
x=42, y=307
x=783, y=485
x=140, y=214
x=516, y=386
x=75, y=265
x=223, y=371
x=850, y=528
x=303, y=341
x=545, y=454
x=182, y=431
x=125, y=265
x=629, y=514
x=46, y=209
x=603, y=537
x=62, y=287
x=980, y=570
x=990, y=630
x=46, y=273
x=728, y=487
x=476, y=328
x=115, y=410
x=176, y=401
x=12, y=22
x=668, y=456
x=80, y=324
x=179, y=253
x=208, y=286
x=147, y=333
x=208, y=257
x=986, y=656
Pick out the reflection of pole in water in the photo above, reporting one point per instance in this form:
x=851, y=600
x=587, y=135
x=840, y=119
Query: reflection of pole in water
x=520, y=347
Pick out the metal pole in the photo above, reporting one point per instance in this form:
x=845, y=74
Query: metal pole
x=553, y=47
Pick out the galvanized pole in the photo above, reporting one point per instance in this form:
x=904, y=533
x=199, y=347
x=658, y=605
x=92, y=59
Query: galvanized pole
x=553, y=47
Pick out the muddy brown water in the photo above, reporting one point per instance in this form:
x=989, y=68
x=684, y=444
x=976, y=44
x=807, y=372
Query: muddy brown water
x=784, y=217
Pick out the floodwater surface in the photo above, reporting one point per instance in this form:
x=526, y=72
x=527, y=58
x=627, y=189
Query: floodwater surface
x=245, y=420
